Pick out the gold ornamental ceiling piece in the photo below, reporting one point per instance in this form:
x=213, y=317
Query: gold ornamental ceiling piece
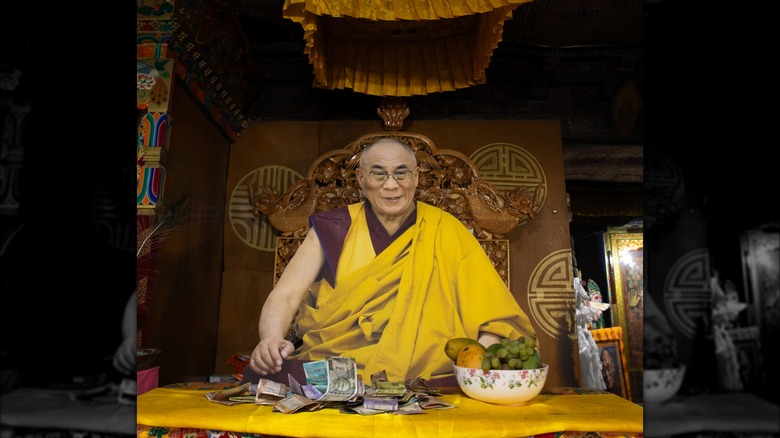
x=401, y=47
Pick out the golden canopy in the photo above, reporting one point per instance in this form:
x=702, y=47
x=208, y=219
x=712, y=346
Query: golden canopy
x=400, y=47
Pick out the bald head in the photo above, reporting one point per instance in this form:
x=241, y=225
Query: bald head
x=385, y=143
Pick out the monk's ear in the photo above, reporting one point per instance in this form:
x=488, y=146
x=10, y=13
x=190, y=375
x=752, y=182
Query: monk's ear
x=359, y=177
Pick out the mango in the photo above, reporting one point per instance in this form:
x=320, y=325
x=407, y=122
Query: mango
x=471, y=356
x=454, y=345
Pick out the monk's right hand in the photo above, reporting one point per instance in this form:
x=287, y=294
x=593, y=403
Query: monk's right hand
x=269, y=354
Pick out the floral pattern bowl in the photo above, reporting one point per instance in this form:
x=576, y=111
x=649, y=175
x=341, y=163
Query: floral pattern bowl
x=661, y=384
x=502, y=387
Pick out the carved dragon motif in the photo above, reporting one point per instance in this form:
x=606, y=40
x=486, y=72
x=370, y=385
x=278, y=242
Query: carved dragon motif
x=288, y=213
x=493, y=215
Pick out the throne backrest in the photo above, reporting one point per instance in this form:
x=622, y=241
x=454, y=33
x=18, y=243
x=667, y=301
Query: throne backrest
x=448, y=179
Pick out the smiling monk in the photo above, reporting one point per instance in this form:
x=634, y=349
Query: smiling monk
x=387, y=282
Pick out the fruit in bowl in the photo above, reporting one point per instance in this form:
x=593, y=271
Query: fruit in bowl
x=509, y=372
x=663, y=374
x=502, y=387
x=661, y=384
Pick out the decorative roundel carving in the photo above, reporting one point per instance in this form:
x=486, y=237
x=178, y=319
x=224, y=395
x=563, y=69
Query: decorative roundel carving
x=506, y=166
x=258, y=233
x=551, y=294
x=687, y=293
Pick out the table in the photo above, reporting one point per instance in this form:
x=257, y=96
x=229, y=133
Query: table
x=53, y=409
x=184, y=410
x=739, y=413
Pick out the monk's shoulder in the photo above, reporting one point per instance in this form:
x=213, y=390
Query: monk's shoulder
x=446, y=220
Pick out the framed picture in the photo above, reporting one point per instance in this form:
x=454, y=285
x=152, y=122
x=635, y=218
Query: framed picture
x=613, y=360
x=624, y=256
x=751, y=367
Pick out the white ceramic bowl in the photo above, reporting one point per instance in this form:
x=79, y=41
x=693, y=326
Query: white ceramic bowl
x=502, y=387
x=661, y=384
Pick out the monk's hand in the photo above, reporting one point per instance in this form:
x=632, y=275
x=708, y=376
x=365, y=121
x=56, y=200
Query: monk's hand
x=487, y=339
x=269, y=354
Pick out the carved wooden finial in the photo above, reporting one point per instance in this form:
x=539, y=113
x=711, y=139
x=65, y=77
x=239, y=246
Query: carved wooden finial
x=393, y=110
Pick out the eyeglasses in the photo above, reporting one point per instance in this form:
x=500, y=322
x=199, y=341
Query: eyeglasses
x=381, y=176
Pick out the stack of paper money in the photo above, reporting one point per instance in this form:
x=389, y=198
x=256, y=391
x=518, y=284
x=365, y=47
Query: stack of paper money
x=335, y=383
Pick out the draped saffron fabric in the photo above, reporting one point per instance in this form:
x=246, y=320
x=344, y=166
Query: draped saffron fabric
x=395, y=311
x=332, y=226
x=401, y=47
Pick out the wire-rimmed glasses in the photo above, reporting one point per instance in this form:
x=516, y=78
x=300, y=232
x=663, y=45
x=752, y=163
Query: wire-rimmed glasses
x=380, y=176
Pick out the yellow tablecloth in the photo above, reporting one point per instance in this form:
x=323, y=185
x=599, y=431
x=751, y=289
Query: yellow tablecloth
x=183, y=408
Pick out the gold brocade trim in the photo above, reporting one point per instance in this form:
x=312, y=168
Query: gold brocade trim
x=408, y=48
x=141, y=290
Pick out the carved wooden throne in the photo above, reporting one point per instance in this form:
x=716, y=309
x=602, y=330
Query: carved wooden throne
x=448, y=179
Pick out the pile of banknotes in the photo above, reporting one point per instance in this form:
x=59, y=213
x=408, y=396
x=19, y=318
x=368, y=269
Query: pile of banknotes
x=335, y=383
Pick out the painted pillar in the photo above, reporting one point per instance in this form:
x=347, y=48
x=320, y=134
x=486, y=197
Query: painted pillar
x=154, y=72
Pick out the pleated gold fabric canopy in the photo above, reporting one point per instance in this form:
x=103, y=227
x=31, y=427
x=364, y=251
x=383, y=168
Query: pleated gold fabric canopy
x=400, y=47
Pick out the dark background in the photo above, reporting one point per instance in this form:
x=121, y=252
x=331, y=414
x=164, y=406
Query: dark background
x=703, y=108
x=64, y=286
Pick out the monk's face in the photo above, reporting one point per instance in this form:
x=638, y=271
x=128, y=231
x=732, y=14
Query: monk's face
x=389, y=198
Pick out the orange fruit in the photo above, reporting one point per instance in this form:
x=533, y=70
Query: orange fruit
x=471, y=356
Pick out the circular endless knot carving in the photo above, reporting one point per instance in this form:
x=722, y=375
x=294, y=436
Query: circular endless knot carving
x=551, y=294
x=258, y=233
x=687, y=293
x=507, y=166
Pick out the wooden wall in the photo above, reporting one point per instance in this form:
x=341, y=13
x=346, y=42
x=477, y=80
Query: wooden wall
x=186, y=287
x=540, y=272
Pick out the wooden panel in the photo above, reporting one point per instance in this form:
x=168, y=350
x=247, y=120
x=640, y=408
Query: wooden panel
x=242, y=298
x=185, y=305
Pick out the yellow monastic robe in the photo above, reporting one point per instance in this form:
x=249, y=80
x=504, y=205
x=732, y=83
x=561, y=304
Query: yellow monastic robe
x=395, y=311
